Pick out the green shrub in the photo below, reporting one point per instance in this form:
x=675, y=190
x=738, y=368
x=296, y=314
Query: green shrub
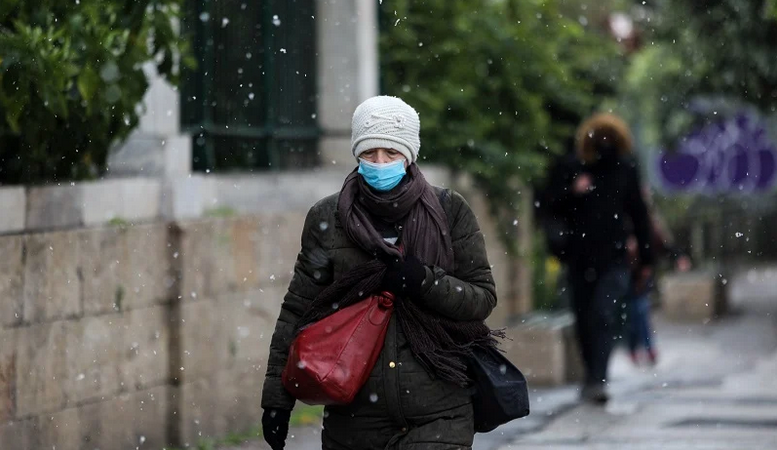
x=547, y=283
x=500, y=86
x=72, y=79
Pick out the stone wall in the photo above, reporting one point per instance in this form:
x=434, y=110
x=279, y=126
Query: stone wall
x=146, y=335
x=156, y=333
x=85, y=338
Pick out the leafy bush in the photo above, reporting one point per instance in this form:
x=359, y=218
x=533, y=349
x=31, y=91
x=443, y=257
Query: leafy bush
x=721, y=49
x=72, y=78
x=500, y=85
x=547, y=282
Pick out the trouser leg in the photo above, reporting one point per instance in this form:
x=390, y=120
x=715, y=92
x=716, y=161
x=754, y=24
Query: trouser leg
x=610, y=290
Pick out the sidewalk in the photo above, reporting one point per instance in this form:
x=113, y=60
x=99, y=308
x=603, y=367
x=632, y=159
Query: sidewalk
x=714, y=388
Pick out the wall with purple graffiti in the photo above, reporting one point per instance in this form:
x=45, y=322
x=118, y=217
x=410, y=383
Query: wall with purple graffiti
x=734, y=155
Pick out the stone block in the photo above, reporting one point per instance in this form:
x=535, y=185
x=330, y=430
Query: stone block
x=198, y=411
x=52, y=283
x=20, y=434
x=149, y=280
x=142, y=199
x=226, y=402
x=202, y=244
x=129, y=199
x=245, y=237
x=145, y=348
x=102, y=201
x=188, y=197
x=339, y=77
x=14, y=201
x=51, y=207
x=103, y=258
x=224, y=250
x=11, y=280
x=41, y=368
x=543, y=348
x=197, y=262
x=62, y=430
x=92, y=353
x=204, y=348
x=278, y=246
x=7, y=375
x=137, y=420
x=178, y=155
x=229, y=255
x=219, y=256
x=162, y=104
x=139, y=155
x=694, y=296
x=239, y=399
x=276, y=192
x=248, y=326
x=334, y=154
x=145, y=415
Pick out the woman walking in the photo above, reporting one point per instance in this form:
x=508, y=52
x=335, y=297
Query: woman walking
x=596, y=195
x=390, y=230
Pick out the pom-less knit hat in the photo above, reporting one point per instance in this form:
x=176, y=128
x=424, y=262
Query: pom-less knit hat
x=386, y=122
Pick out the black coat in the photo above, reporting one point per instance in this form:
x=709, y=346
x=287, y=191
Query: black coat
x=401, y=406
x=597, y=223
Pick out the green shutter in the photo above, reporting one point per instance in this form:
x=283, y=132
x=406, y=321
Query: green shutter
x=251, y=101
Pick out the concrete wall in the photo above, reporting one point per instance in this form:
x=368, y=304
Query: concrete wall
x=121, y=336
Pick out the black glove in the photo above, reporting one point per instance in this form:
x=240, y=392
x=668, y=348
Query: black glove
x=404, y=278
x=275, y=427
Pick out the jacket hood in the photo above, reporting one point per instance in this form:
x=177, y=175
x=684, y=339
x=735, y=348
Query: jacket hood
x=602, y=130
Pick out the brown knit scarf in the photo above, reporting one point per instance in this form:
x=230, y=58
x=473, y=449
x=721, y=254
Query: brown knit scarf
x=441, y=345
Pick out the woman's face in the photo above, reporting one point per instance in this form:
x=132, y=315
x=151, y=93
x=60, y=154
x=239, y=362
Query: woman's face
x=382, y=156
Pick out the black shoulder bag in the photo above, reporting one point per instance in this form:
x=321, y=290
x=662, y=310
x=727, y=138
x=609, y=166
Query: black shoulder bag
x=500, y=393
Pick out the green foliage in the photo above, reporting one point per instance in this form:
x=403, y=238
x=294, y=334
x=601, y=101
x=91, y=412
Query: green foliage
x=500, y=85
x=72, y=77
x=306, y=415
x=546, y=273
x=221, y=212
x=770, y=9
x=119, y=222
x=718, y=48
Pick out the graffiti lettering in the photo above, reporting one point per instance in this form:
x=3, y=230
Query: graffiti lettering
x=732, y=156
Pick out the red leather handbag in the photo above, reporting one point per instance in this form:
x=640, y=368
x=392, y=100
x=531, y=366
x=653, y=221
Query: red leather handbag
x=330, y=360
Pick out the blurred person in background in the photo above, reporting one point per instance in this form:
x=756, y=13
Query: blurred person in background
x=388, y=229
x=593, y=196
x=639, y=332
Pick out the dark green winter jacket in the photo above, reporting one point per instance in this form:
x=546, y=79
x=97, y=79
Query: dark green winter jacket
x=401, y=406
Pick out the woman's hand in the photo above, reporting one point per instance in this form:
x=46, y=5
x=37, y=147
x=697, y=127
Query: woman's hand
x=683, y=263
x=583, y=184
x=404, y=278
x=275, y=427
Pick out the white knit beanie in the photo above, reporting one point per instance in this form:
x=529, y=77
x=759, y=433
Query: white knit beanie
x=386, y=122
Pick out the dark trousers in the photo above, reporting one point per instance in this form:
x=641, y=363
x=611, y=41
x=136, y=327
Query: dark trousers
x=596, y=298
x=638, y=331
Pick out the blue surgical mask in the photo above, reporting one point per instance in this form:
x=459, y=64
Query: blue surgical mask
x=382, y=177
